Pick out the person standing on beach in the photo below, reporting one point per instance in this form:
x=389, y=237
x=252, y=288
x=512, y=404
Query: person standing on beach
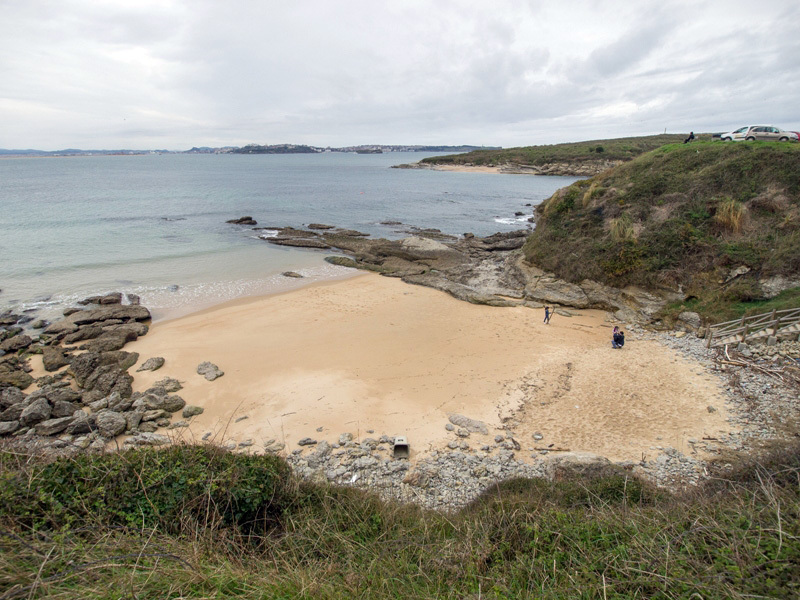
x=547, y=314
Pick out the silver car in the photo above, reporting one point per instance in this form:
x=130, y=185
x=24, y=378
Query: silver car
x=759, y=132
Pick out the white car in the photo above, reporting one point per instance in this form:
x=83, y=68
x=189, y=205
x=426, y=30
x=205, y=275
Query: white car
x=759, y=132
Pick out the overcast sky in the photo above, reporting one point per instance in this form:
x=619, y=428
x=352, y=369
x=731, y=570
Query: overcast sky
x=180, y=73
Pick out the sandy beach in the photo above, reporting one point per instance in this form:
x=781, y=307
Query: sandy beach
x=374, y=356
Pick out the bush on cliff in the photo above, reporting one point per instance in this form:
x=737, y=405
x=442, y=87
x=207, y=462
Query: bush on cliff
x=680, y=217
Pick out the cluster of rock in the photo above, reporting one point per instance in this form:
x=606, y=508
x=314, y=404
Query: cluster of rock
x=92, y=400
x=449, y=479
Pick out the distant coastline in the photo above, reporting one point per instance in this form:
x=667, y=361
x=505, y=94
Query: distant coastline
x=247, y=149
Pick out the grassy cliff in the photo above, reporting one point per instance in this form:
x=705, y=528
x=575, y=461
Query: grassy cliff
x=619, y=149
x=683, y=217
x=198, y=522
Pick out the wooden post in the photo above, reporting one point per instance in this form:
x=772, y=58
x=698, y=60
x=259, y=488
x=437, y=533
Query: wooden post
x=709, y=335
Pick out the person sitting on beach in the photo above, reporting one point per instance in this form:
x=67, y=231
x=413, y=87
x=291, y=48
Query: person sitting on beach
x=618, y=338
x=690, y=138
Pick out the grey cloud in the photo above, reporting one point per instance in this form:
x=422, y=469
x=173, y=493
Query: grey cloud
x=361, y=71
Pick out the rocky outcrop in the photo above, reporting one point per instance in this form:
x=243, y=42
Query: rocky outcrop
x=102, y=315
x=243, y=221
x=482, y=270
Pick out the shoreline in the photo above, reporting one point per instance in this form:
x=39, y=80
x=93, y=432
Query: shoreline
x=373, y=356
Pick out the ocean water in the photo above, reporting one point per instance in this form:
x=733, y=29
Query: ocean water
x=154, y=225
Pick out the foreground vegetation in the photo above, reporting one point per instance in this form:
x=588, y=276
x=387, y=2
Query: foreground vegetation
x=619, y=149
x=682, y=217
x=202, y=523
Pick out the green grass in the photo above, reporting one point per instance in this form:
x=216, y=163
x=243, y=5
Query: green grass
x=608, y=537
x=612, y=149
x=681, y=217
x=717, y=309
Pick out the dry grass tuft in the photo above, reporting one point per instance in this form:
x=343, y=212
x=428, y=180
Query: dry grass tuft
x=731, y=215
x=622, y=229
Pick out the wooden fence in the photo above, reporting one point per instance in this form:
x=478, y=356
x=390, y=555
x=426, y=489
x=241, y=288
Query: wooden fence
x=778, y=323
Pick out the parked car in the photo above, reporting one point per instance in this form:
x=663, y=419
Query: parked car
x=760, y=132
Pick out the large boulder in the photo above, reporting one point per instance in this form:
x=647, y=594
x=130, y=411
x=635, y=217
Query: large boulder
x=102, y=373
x=170, y=404
x=7, y=427
x=82, y=423
x=469, y=424
x=37, y=411
x=59, y=394
x=63, y=409
x=14, y=412
x=209, y=370
x=53, y=358
x=10, y=396
x=191, y=411
x=133, y=418
x=18, y=342
x=151, y=364
x=169, y=384
x=118, y=403
x=53, y=426
x=110, y=423
x=13, y=373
